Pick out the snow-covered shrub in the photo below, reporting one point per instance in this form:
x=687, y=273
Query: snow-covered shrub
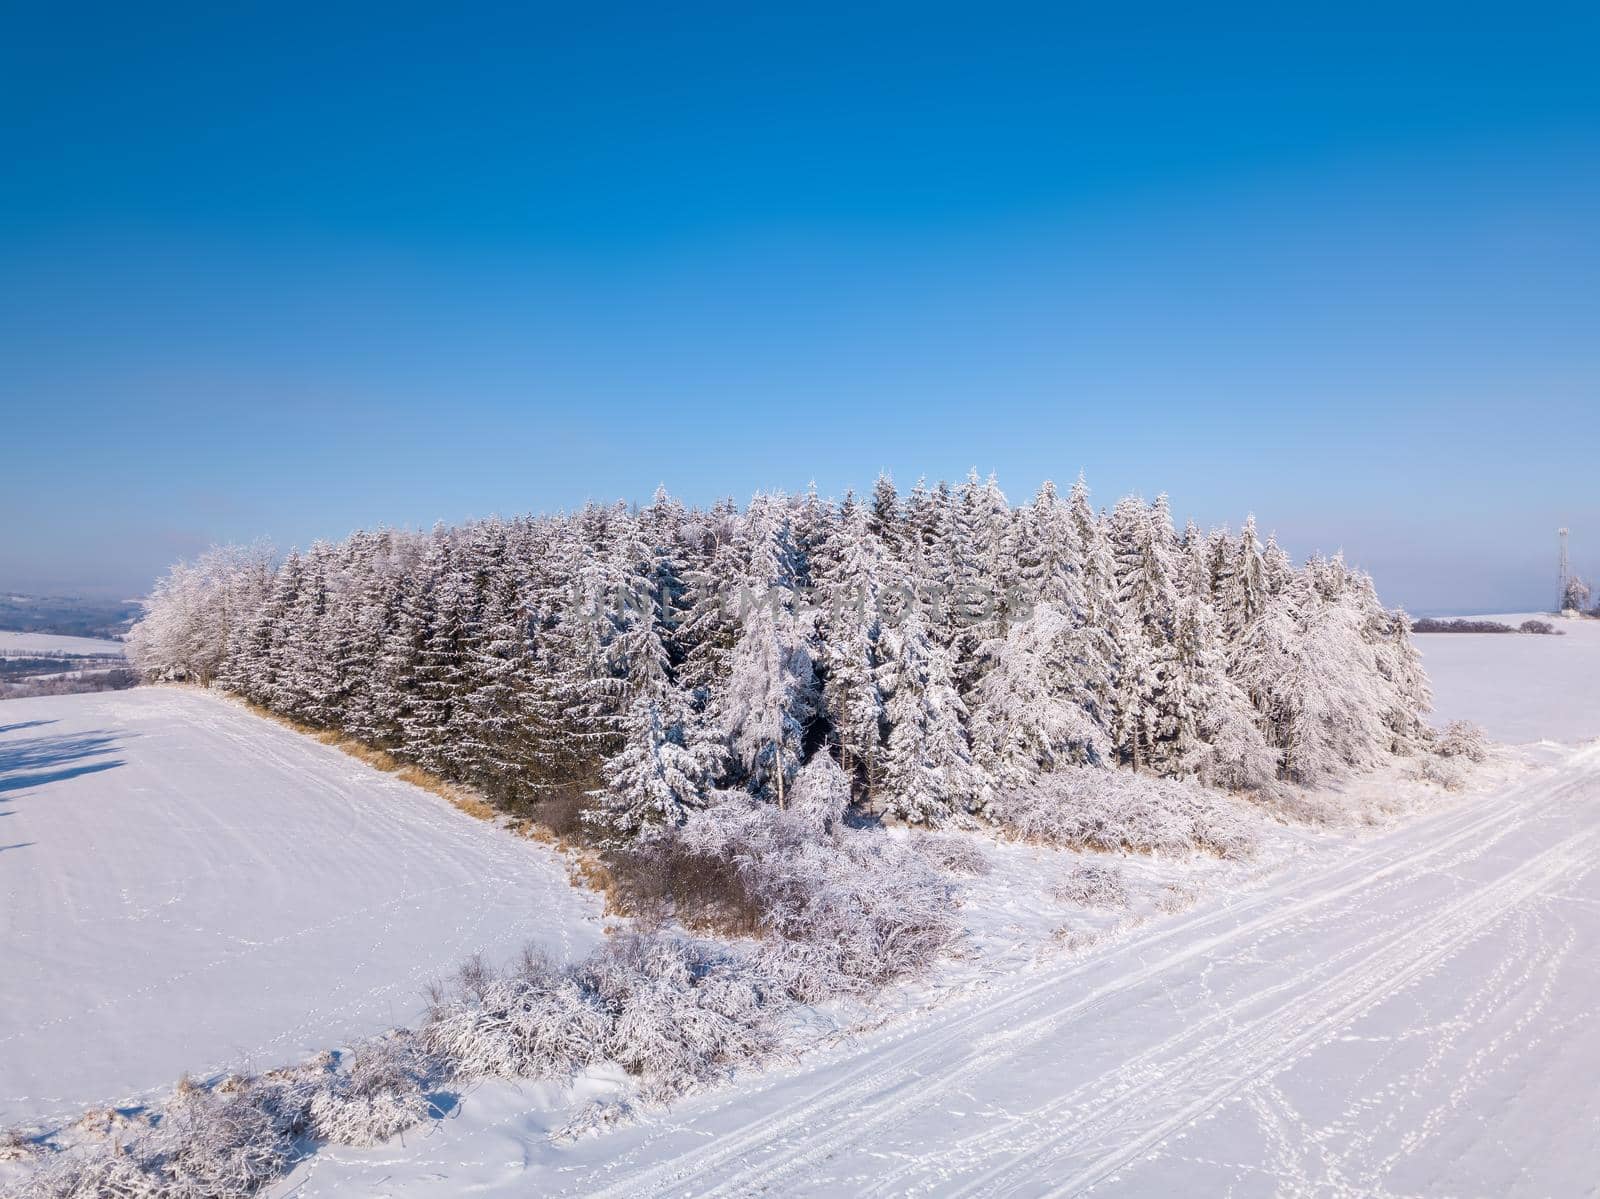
x=593, y=1118
x=1540, y=627
x=669, y=1010
x=1449, y=773
x=1093, y=885
x=205, y=1146
x=382, y=1094
x=536, y=1021
x=852, y=908
x=955, y=854
x=105, y=1171
x=679, y=1012
x=1175, y=898
x=209, y=1144
x=1462, y=739
x=1089, y=807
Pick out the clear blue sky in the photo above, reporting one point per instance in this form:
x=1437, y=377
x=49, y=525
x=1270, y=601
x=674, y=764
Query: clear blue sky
x=284, y=271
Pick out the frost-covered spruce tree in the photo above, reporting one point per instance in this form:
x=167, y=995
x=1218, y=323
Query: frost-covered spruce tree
x=1214, y=731
x=368, y=616
x=1049, y=556
x=1093, y=650
x=1030, y=711
x=707, y=624
x=307, y=684
x=640, y=658
x=849, y=588
x=655, y=779
x=261, y=656
x=884, y=517
x=397, y=677
x=1315, y=679
x=436, y=734
x=1400, y=663
x=1143, y=552
x=928, y=773
x=769, y=698
x=1241, y=586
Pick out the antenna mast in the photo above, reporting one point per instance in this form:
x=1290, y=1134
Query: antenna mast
x=1565, y=573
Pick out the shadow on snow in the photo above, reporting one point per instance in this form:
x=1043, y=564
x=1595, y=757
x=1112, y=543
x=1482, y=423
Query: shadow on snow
x=37, y=761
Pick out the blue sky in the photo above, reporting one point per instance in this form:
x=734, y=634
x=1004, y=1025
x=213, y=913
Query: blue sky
x=275, y=271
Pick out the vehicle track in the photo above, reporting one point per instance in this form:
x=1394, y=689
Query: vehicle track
x=893, y=1084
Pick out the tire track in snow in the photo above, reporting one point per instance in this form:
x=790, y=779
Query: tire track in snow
x=892, y=1084
x=1257, y=1049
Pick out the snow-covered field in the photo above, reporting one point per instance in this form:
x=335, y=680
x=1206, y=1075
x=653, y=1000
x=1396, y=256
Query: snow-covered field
x=1404, y=1014
x=1403, y=1009
x=185, y=886
x=14, y=644
x=1519, y=687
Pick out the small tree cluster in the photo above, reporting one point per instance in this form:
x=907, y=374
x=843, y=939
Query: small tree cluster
x=940, y=647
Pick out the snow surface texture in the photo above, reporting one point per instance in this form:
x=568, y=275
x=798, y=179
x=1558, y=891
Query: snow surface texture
x=14, y=644
x=187, y=887
x=1520, y=688
x=1408, y=1012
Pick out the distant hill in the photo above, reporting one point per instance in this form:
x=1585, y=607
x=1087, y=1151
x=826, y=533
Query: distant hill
x=67, y=615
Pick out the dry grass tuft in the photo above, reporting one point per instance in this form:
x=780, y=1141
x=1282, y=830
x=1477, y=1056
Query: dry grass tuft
x=457, y=796
x=16, y=1146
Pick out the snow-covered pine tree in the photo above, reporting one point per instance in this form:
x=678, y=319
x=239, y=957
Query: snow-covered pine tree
x=1029, y=712
x=928, y=773
x=708, y=625
x=654, y=780
x=884, y=516
x=850, y=625
x=1144, y=555
x=1214, y=731
x=1242, y=586
x=436, y=735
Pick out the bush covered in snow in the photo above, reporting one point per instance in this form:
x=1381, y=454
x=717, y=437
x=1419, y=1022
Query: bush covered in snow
x=680, y=1012
x=1459, y=745
x=205, y=1145
x=382, y=1094
x=1094, y=885
x=952, y=853
x=1087, y=807
x=1462, y=739
x=851, y=908
x=534, y=1021
x=235, y=1137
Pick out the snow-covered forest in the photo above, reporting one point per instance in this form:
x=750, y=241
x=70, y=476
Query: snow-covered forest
x=946, y=650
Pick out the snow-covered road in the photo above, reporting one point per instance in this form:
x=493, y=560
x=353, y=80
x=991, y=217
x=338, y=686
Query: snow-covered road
x=1417, y=1017
x=185, y=886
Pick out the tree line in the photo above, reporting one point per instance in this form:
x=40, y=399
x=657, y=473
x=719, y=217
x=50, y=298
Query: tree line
x=942, y=647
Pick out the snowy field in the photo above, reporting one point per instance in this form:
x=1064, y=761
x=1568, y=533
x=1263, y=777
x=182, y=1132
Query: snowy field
x=185, y=886
x=1513, y=684
x=1410, y=1013
x=1401, y=1009
x=14, y=644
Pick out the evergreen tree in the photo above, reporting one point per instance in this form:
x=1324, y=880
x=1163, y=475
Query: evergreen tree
x=928, y=774
x=654, y=780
